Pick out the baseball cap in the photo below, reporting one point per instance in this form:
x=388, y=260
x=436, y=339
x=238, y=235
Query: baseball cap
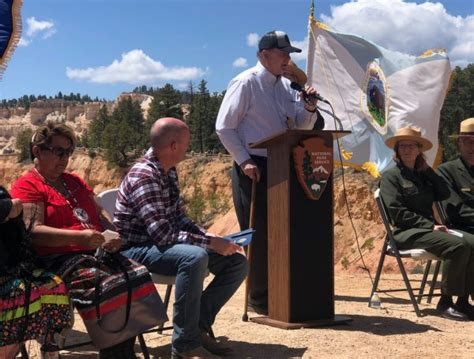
x=276, y=40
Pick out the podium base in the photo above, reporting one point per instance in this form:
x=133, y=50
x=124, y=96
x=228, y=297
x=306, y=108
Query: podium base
x=336, y=320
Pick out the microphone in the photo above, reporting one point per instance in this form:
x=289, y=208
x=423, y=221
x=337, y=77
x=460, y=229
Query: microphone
x=307, y=97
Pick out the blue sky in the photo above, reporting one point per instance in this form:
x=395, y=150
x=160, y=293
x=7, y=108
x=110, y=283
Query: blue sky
x=104, y=47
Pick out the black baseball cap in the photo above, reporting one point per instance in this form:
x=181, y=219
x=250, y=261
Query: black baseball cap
x=276, y=40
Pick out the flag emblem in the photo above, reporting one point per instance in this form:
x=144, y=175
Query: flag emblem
x=373, y=100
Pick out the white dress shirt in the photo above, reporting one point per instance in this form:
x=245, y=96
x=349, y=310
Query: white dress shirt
x=257, y=105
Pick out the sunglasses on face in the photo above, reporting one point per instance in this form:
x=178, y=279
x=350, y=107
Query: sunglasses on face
x=59, y=151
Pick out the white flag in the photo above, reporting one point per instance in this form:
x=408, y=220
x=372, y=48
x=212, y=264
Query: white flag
x=375, y=91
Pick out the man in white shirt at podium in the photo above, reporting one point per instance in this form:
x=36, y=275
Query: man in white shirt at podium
x=261, y=102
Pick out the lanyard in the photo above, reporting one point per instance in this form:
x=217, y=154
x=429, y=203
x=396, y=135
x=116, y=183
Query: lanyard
x=78, y=212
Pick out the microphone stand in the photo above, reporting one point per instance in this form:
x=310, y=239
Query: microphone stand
x=337, y=121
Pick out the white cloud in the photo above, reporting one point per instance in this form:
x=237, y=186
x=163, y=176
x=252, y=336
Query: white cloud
x=23, y=42
x=240, y=62
x=303, y=45
x=407, y=27
x=252, y=39
x=135, y=67
x=36, y=27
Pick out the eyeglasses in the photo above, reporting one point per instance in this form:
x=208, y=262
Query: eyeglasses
x=59, y=151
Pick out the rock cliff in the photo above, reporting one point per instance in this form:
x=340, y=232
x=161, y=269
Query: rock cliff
x=206, y=188
x=76, y=115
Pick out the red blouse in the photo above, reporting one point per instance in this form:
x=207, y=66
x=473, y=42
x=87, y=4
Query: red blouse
x=31, y=188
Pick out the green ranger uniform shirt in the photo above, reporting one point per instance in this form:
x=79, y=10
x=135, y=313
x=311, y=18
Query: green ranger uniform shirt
x=460, y=180
x=408, y=196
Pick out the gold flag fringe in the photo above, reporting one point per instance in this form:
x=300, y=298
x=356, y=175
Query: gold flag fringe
x=347, y=155
x=15, y=36
x=369, y=167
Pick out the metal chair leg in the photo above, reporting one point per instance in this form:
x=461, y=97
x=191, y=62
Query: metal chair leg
x=408, y=285
x=166, y=302
x=23, y=351
x=143, y=346
x=379, y=269
x=433, y=282
x=424, y=280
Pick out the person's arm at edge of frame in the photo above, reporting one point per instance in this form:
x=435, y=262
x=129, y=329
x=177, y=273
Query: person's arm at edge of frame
x=47, y=236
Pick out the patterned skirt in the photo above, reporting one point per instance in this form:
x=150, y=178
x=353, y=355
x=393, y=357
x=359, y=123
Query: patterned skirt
x=49, y=310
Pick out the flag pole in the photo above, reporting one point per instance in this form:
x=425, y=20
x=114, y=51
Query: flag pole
x=311, y=44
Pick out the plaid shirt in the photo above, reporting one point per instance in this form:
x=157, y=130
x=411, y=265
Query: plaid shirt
x=149, y=207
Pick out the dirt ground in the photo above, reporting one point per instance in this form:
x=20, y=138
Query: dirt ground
x=392, y=331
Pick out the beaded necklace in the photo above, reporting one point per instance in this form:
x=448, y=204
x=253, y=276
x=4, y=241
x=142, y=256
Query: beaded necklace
x=79, y=213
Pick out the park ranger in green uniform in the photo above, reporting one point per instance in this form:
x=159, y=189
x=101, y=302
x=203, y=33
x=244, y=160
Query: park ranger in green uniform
x=459, y=175
x=408, y=191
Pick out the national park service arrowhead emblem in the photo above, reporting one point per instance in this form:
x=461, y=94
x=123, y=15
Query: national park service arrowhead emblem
x=313, y=164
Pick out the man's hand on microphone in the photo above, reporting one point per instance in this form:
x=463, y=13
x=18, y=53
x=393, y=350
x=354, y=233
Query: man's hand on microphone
x=250, y=169
x=310, y=101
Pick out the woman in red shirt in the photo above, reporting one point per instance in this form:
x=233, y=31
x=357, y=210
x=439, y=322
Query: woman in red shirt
x=67, y=219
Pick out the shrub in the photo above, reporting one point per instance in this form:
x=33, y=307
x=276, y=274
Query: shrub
x=197, y=205
x=23, y=140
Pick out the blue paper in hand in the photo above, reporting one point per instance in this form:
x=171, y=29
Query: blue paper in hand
x=242, y=238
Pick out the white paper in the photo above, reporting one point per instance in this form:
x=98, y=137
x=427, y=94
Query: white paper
x=455, y=233
x=108, y=234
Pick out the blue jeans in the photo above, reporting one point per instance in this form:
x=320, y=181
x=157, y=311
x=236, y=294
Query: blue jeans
x=193, y=310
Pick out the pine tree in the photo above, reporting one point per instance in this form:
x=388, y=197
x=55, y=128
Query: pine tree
x=23, y=139
x=188, y=95
x=198, y=118
x=213, y=142
x=202, y=119
x=124, y=137
x=97, y=127
x=166, y=103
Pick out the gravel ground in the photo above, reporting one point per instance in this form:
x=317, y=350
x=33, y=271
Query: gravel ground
x=392, y=331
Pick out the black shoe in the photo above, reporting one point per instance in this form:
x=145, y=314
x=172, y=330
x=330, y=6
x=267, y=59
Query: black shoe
x=214, y=346
x=198, y=352
x=259, y=309
x=466, y=309
x=452, y=313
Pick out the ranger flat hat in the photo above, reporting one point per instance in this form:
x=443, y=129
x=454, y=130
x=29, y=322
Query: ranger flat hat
x=466, y=128
x=409, y=134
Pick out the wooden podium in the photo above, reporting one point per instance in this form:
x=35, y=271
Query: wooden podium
x=300, y=239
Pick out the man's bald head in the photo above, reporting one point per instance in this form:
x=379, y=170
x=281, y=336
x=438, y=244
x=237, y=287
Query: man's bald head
x=165, y=131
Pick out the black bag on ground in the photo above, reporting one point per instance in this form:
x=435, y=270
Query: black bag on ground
x=114, y=295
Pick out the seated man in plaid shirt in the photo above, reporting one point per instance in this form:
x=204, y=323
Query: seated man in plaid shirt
x=157, y=233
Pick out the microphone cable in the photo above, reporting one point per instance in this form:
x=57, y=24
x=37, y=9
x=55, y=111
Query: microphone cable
x=346, y=200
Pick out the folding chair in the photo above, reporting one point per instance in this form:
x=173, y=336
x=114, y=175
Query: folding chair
x=107, y=199
x=390, y=248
